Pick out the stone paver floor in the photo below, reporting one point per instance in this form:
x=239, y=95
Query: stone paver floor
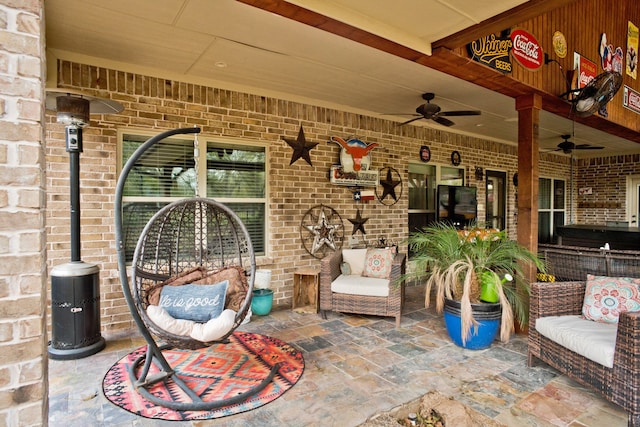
x=356, y=366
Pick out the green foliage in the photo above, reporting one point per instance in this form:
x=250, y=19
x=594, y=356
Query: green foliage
x=452, y=260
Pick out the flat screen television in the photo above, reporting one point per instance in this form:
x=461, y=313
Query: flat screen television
x=457, y=204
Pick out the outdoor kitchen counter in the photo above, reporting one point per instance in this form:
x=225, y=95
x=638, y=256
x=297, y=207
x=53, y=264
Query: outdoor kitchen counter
x=596, y=236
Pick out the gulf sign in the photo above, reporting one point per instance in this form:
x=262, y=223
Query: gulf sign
x=526, y=50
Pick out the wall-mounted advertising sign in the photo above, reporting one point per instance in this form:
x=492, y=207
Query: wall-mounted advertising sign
x=631, y=99
x=526, y=49
x=585, y=70
x=339, y=176
x=492, y=51
x=632, y=49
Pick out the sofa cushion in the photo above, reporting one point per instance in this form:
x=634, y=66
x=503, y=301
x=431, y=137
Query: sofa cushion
x=357, y=285
x=215, y=328
x=209, y=331
x=594, y=340
x=378, y=263
x=355, y=258
x=164, y=320
x=606, y=297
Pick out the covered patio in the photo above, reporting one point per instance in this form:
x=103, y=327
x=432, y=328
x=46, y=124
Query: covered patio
x=171, y=66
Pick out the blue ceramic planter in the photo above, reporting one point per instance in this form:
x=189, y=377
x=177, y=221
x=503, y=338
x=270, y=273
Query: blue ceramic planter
x=488, y=317
x=261, y=301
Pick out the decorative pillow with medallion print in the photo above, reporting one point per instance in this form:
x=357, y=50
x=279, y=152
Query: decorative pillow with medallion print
x=378, y=263
x=606, y=297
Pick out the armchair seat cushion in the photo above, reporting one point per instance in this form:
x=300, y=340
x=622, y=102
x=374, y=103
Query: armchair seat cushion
x=594, y=340
x=354, y=284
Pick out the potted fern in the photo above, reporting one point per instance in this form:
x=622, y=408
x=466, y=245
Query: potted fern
x=459, y=265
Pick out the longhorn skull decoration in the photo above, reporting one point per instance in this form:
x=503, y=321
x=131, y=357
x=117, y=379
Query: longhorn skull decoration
x=355, y=154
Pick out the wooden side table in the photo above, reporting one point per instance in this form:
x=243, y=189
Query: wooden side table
x=306, y=284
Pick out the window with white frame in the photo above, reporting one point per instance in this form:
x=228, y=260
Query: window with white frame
x=231, y=173
x=551, y=208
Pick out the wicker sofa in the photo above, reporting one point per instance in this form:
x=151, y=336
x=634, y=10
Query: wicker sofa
x=389, y=305
x=619, y=384
x=570, y=265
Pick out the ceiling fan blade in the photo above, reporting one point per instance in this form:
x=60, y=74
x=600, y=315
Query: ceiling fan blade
x=443, y=121
x=587, y=147
x=412, y=120
x=460, y=113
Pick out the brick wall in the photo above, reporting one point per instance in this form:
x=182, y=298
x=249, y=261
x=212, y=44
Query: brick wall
x=23, y=342
x=607, y=178
x=157, y=104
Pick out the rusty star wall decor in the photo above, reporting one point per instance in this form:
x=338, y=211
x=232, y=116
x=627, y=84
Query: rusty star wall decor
x=321, y=231
x=389, y=185
x=358, y=223
x=301, y=148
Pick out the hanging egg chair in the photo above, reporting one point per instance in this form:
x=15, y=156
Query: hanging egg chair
x=190, y=283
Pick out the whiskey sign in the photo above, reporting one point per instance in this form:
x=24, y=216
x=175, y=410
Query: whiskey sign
x=492, y=51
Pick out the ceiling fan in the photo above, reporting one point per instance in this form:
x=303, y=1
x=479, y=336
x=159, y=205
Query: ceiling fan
x=596, y=94
x=434, y=112
x=567, y=146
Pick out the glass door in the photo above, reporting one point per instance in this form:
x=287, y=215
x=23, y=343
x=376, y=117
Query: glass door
x=633, y=196
x=496, y=202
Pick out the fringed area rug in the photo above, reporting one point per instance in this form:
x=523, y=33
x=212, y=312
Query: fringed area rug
x=219, y=370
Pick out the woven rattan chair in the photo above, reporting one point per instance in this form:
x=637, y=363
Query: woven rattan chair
x=389, y=306
x=194, y=240
x=620, y=384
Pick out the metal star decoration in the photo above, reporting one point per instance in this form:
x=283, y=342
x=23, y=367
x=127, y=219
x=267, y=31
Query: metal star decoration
x=389, y=186
x=358, y=223
x=301, y=147
x=323, y=233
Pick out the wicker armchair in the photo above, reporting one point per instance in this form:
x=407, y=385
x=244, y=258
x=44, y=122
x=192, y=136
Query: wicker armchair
x=389, y=306
x=620, y=384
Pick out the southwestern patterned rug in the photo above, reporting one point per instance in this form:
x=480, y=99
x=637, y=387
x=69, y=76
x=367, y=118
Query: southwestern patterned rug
x=220, y=370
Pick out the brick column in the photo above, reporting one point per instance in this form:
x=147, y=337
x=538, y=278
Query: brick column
x=23, y=277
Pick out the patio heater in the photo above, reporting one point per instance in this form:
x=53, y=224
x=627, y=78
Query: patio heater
x=75, y=286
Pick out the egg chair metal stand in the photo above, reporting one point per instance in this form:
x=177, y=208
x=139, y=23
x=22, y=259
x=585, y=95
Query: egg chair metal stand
x=189, y=235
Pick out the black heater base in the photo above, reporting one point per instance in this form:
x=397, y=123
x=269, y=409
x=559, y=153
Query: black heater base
x=75, y=311
x=76, y=353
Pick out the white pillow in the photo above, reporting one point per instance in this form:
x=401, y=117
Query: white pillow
x=160, y=317
x=356, y=259
x=214, y=328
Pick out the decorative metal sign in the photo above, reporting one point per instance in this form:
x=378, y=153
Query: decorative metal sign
x=631, y=99
x=632, y=49
x=492, y=51
x=559, y=44
x=363, y=178
x=355, y=155
x=585, y=70
x=526, y=49
x=355, y=164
